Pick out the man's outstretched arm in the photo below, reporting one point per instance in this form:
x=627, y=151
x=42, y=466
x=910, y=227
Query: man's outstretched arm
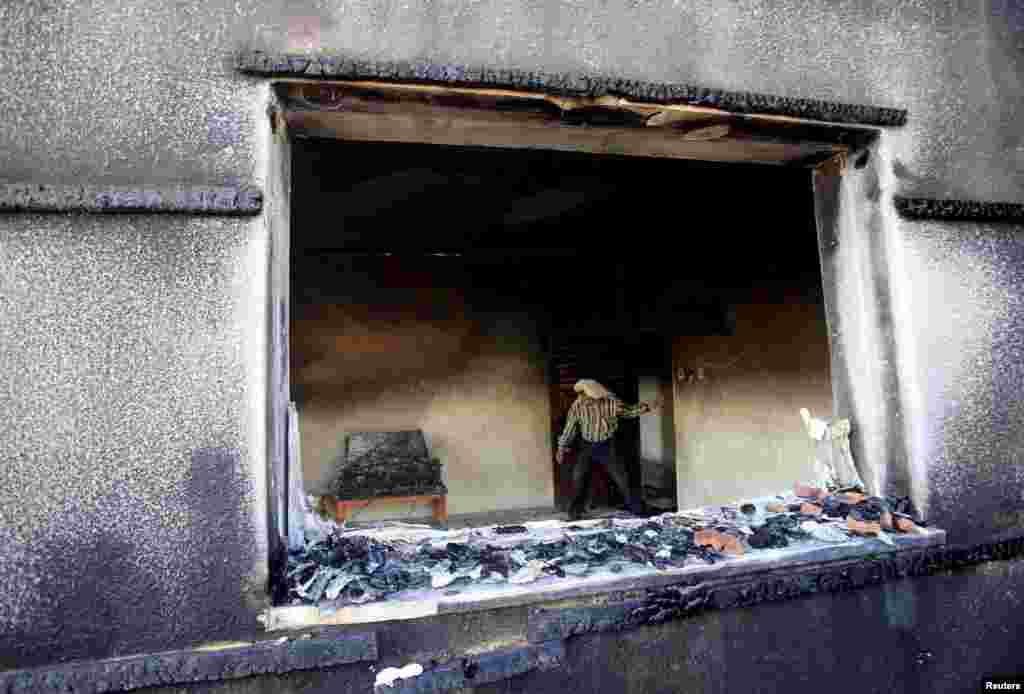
x=633, y=411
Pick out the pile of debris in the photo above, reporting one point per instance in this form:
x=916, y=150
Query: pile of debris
x=357, y=569
x=353, y=568
x=857, y=513
x=386, y=464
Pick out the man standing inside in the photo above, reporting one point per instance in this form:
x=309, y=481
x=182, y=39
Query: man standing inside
x=595, y=416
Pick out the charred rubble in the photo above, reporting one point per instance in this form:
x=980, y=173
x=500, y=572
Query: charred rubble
x=353, y=569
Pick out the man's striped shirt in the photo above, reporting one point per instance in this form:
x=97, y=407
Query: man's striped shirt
x=597, y=420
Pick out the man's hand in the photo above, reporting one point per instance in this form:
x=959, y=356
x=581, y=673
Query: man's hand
x=560, y=456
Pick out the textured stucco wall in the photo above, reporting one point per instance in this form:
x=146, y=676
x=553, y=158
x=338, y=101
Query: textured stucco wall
x=133, y=435
x=966, y=368
x=135, y=348
x=121, y=92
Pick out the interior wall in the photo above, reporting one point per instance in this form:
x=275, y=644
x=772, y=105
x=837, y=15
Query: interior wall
x=469, y=373
x=739, y=432
x=657, y=432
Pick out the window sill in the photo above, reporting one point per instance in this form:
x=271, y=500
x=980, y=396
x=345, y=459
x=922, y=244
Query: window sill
x=767, y=564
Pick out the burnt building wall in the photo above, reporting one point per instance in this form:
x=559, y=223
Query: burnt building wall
x=133, y=437
x=118, y=92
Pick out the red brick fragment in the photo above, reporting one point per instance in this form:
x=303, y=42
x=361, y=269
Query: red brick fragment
x=810, y=509
x=859, y=527
x=719, y=541
x=905, y=525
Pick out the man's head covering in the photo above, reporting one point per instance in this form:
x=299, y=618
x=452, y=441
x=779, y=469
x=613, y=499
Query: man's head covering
x=592, y=389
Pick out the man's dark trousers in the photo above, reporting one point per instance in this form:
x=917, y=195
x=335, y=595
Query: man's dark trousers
x=602, y=453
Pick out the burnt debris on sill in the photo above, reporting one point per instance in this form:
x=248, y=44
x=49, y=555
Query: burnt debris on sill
x=354, y=567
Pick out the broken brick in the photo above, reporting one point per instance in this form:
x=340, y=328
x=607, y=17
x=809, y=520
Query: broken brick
x=810, y=509
x=719, y=541
x=906, y=525
x=859, y=527
x=776, y=508
x=851, y=498
x=705, y=537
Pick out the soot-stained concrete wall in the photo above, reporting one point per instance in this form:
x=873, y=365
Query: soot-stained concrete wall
x=943, y=633
x=738, y=427
x=403, y=346
x=133, y=436
x=966, y=371
x=135, y=348
x=122, y=92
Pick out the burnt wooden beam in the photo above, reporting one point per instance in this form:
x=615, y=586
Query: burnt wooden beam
x=959, y=210
x=495, y=131
x=415, y=113
x=339, y=67
x=97, y=199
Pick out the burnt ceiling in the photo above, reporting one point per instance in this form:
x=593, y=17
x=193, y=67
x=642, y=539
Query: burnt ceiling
x=650, y=239
x=372, y=197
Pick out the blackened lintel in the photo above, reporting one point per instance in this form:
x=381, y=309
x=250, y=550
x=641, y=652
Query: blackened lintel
x=182, y=199
x=959, y=210
x=332, y=66
x=192, y=666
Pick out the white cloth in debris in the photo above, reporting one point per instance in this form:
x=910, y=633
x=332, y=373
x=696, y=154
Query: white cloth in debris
x=592, y=389
x=833, y=460
x=387, y=676
x=529, y=573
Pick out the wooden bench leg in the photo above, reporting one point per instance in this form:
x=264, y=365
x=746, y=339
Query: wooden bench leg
x=440, y=504
x=345, y=508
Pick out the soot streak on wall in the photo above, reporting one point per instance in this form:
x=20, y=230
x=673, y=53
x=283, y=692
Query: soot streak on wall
x=133, y=434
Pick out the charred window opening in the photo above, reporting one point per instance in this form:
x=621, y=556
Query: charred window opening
x=460, y=259
x=463, y=291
